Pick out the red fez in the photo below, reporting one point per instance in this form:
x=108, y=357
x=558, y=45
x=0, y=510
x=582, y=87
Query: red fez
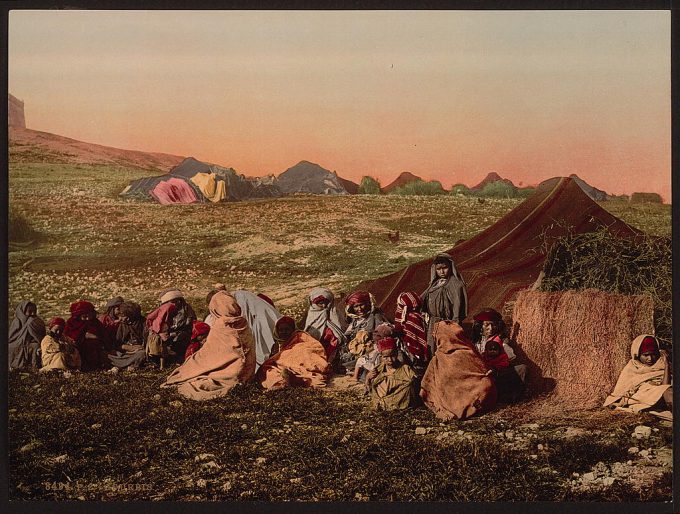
x=285, y=320
x=387, y=343
x=266, y=299
x=81, y=307
x=56, y=321
x=319, y=299
x=199, y=329
x=488, y=315
x=358, y=297
x=648, y=345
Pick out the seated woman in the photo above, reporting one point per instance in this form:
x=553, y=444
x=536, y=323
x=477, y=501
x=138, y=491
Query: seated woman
x=392, y=385
x=226, y=359
x=446, y=296
x=300, y=360
x=198, y=336
x=644, y=382
x=89, y=335
x=323, y=322
x=25, y=334
x=363, y=316
x=111, y=318
x=181, y=324
x=489, y=326
x=58, y=352
x=410, y=328
x=456, y=384
x=131, y=335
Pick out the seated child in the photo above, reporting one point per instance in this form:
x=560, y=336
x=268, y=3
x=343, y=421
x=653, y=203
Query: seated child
x=508, y=382
x=410, y=328
x=392, y=385
x=495, y=357
x=369, y=360
x=645, y=382
x=199, y=334
x=363, y=316
x=58, y=352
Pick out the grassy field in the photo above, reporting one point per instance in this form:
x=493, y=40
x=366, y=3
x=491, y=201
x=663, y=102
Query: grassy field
x=120, y=436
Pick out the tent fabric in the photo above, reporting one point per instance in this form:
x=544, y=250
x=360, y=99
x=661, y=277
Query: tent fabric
x=509, y=255
x=213, y=189
x=174, y=190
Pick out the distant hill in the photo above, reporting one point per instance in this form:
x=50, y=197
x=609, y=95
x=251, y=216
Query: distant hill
x=403, y=179
x=308, y=177
x=595, y=194
x=26, y=145
x=490, y=178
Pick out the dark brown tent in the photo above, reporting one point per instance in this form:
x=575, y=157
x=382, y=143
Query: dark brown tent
x=509, y=255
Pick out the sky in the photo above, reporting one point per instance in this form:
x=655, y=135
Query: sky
x=446, y=95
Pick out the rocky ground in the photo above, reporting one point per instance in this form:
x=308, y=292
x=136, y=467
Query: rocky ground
x=101, y=437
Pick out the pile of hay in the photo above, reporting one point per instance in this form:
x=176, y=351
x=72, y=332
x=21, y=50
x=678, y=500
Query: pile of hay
x=600, y=260
x=577, y=342
x=645, y=198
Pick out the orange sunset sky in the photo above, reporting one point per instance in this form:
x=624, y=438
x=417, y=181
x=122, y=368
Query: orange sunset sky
x=447, y=95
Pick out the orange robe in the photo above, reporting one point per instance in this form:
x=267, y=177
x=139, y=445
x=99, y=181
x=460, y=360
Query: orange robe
x=455, y=384
x=301, y=361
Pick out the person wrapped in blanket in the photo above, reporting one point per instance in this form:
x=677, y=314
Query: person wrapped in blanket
x=323, y=322
x=297, y=360
x=411, y=330
x=57, y=351
x=363, y=316
x=226, y=359
x=446, y=296
x=392, y=384
x=25, y=334
x=131, y=336
x=645, y=382
x=456, y=384
x=510, y=378
x=90, y=336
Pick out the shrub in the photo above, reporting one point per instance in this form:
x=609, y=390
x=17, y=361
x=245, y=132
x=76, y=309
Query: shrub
x=420, y=187
x=369, y=186
x=498, y=189
x=460, y=189
x=20, y=230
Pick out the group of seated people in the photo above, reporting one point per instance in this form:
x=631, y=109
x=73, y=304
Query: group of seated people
x=423, y=355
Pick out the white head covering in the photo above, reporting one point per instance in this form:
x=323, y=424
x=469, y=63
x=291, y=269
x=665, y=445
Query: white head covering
x=171, y=294
x=319, y=318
